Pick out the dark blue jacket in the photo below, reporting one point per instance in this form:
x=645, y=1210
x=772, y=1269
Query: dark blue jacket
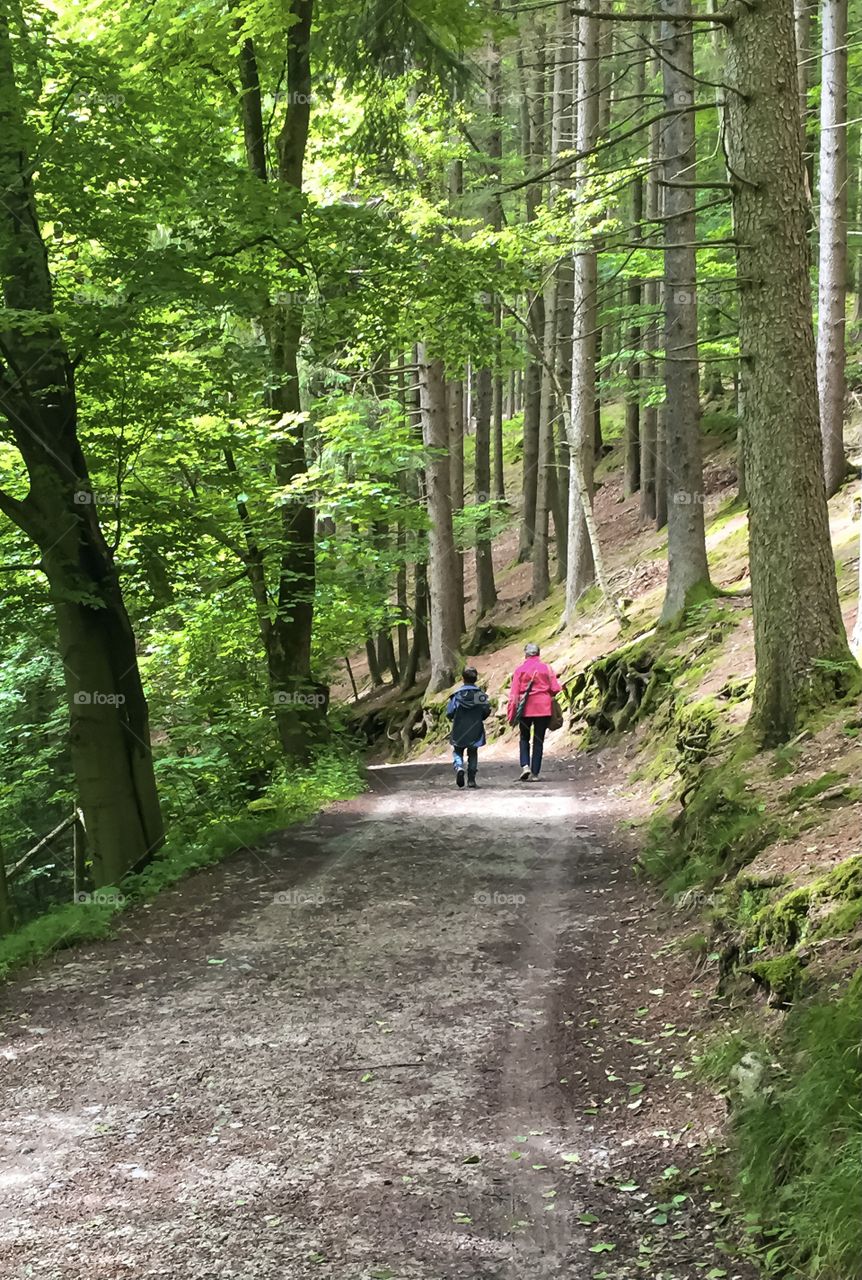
x=468, y=709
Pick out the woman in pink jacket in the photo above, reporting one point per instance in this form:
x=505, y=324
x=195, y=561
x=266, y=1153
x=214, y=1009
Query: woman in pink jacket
x=537, y=676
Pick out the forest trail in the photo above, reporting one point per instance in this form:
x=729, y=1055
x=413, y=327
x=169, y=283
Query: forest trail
x=423, y=1036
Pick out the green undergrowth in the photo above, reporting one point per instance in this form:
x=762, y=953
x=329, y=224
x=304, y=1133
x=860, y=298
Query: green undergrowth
x=829, y=907
x=298, y=795
x=793, y=1078
x=722, y=826
x=796, y=1101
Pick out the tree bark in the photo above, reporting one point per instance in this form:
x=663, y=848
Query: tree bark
x=289, y=635
x=419, y=645
x=455, y=405
x=109, y=729
x=445, y=632
x=498, y=479
x=801, y=647
x=548, y=501
x=832, y=291
x=486, y=591
x=857, y=301
x=652, y=298
x=564, y=330
x=541, y=578
x=632, y=475
x=688, y=571
x=661, y=485
x=804, y=11
x=495, y=155
x=532, y=127
x=580, y=568
x=373, y=664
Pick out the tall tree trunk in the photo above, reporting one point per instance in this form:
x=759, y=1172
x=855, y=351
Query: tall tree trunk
x=632, y=476
x=532, y=78
x=401, y=533
x=402, y=633
x=598, y=439
x=289, y=636
x=109, y=730
x=580, y=567
x=563, y=139
x=804, y=11
x=495, y=214
x=455, y=405
x=661, y=479
x=386, y=655
x=833, y=241
x=541, y=578
x=486, y=591
x=547, y=494
x=445, y=632
x=564, y=329
x=419, y=645
x=373, y=664
x=498, y=479
x=652, y=297
x=688, y=571
x=857, y=300
x=799, y=636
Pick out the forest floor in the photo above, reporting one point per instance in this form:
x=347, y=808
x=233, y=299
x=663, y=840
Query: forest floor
x=431, y=1034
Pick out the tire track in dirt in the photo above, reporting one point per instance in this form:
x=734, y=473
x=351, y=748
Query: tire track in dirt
x=350, y=1055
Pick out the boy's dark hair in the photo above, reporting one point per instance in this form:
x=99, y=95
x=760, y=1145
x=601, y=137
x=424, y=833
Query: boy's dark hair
x=469, y=675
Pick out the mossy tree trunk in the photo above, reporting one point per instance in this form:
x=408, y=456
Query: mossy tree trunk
x=801, y=646
x=109, y=719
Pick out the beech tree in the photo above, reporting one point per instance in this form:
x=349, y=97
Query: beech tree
x=109, y=718
x=286, y=630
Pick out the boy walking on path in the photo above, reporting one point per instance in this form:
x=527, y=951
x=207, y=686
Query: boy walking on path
x=468, y=709
x=537, y=681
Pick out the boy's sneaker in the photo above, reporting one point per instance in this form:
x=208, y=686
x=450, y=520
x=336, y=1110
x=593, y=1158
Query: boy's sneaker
x=459, y=777
x=471, y=782
x=525, y=774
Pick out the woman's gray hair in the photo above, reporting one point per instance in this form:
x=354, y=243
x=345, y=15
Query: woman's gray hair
x=531, y=650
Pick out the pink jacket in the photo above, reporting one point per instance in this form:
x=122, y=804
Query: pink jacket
x=545, y=685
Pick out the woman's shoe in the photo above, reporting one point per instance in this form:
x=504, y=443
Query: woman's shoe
x=459, y=777
x=525, y=774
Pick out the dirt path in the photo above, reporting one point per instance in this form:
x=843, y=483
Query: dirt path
x=426, y=1036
